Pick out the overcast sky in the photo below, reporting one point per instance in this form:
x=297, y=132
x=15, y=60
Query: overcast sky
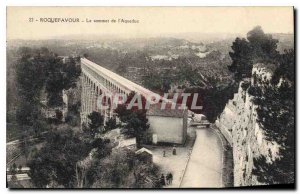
x=153, y=21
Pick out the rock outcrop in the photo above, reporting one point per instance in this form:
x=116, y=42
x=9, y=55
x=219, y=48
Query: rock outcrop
x=239, y=125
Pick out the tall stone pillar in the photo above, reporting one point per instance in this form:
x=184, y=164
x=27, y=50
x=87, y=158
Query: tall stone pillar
x=89, y=100
x=82, y=100
x=96, y=101
x=83, y=97
x=93, y=94
x=86, y=90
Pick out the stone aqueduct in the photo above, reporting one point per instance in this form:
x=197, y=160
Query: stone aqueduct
x=96, y=80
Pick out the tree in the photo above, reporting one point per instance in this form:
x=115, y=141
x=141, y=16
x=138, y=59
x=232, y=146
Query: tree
x=60, y=161
x=280, y=171
x=30, y=81
x=85, y=55
x=96, y=121
x=71, y=72
x=111, y=124
x=136, y=126
x=134, y=119
x=135, y=122
x=37, y=69
x=85, y=169
x=56, y=161
x=187, y=72
x=146, y=176
x=59, y=115
x=214, y=99
x=263, y=46
x=59, y=76
x=276, y=116
x=30, y=77
x=121, y=169
x=103, y=148
x=122, y=112
x=55, y=81
x=286, y=69
x=258, y=47
x=241, y=58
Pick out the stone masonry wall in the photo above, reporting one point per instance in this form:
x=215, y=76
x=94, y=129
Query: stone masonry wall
x=238, y=123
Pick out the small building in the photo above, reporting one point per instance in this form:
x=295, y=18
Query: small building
x=65, y=59
x=129, y=143
x=119, y=140
x=167, y=125
x=199, y=120
x=144, y=155
x=199, y=117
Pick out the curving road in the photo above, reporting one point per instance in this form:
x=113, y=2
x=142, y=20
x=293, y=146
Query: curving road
x=204, y=169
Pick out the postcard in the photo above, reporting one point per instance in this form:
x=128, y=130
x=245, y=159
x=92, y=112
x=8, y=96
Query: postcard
x=150, y=97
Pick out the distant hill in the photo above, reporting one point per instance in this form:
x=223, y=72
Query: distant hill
x=286, y=41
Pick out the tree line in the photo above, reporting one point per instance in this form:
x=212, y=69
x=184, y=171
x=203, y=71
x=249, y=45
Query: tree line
x=40, y=71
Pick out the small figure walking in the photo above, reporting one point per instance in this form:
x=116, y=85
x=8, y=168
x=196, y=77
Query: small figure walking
x=170, y=178
x=174, y=150
x=164, y=153
x=162, y=180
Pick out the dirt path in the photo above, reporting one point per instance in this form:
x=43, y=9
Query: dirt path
x=204, y=169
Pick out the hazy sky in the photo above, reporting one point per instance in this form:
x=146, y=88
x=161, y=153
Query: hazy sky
x=153, y=21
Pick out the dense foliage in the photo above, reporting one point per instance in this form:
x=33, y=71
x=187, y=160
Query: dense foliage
x=30, y=82
x=134, y=119
x=55, y=165
x=37, y=69
x=110, y=124
x=122, y=169
x=213, y=99
x=276, y=115
x=258, y=47
x=96, y=121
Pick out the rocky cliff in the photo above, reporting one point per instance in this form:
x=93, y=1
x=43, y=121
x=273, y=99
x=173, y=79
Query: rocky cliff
x=238, y=123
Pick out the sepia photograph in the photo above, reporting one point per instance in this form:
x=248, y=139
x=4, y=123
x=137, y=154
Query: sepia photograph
x=150, y=97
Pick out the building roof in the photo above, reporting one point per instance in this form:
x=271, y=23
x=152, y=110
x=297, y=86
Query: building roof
x=127, y=142
x=156, y=110
x=143, y=150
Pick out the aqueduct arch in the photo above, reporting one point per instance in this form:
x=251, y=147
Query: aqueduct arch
x=97, y=80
